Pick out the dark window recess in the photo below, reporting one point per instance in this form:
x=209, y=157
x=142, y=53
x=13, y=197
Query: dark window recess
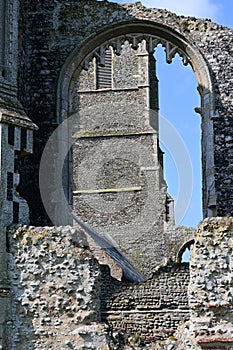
x=17, y=161
x=104, y=73
x=7, y=242
x=15, y=212
x=11, y=135
x=23, y=140
x=10, y=186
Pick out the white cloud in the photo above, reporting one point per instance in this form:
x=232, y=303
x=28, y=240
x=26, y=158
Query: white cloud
x=196, y=8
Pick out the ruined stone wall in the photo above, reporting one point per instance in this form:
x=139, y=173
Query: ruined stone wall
x=59, y=296
x=211, y=287
x=148, y=312
x=54, y=283
x=210, y=290
x=51, y=31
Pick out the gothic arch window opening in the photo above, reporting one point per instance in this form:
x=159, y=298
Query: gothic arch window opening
x=177, y=94
x=173, y=42
x=185, y=252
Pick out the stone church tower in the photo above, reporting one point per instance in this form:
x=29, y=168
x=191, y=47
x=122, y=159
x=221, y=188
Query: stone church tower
x=118, y=164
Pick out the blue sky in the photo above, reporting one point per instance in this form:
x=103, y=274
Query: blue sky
x=219, y=11
x=177, y=101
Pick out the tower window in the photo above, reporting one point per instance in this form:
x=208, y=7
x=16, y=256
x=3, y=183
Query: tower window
x=15, y=212
x=23, y=139
x=11, y=135
x=104, y=73
x=10, y=186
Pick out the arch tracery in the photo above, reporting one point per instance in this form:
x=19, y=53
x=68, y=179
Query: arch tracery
x=152, y=41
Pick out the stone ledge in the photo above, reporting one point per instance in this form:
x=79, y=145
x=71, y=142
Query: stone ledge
x=214, y=340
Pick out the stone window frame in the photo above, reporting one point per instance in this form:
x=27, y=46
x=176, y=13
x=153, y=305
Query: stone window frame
x=89, y=48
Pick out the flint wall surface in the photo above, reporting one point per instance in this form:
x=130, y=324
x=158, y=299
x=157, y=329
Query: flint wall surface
x=59, y=296
x=54, y=282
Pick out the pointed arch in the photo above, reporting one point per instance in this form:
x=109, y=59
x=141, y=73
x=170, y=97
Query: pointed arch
x=173, y=41
x=187, y=245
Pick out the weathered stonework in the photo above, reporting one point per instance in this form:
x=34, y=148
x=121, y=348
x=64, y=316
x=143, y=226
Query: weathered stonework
x=62, y=31
x=211, y=287
x=210, y=290
x=58, y=295
x=150, y=312
x=49, y=58
x=55, y=288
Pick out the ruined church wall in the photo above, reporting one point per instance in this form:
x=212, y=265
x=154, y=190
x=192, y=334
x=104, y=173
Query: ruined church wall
x=51, y=31
x=210, y=290
x=216, y=42
x=59, y=296
x=211, y=267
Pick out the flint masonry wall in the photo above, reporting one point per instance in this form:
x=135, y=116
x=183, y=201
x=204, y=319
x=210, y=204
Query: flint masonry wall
x=212, y=268
x=59, y=296
x=148, y=312
x=121, y=215
x=51, y=31
x=210, y=290
x=54, y=283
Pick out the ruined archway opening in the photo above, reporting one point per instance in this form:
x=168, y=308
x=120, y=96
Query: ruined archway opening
x=135, y=207
x=185, y=252
x=133, y=67
x=119, y=185
x=173, y=41
x=178, y=98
